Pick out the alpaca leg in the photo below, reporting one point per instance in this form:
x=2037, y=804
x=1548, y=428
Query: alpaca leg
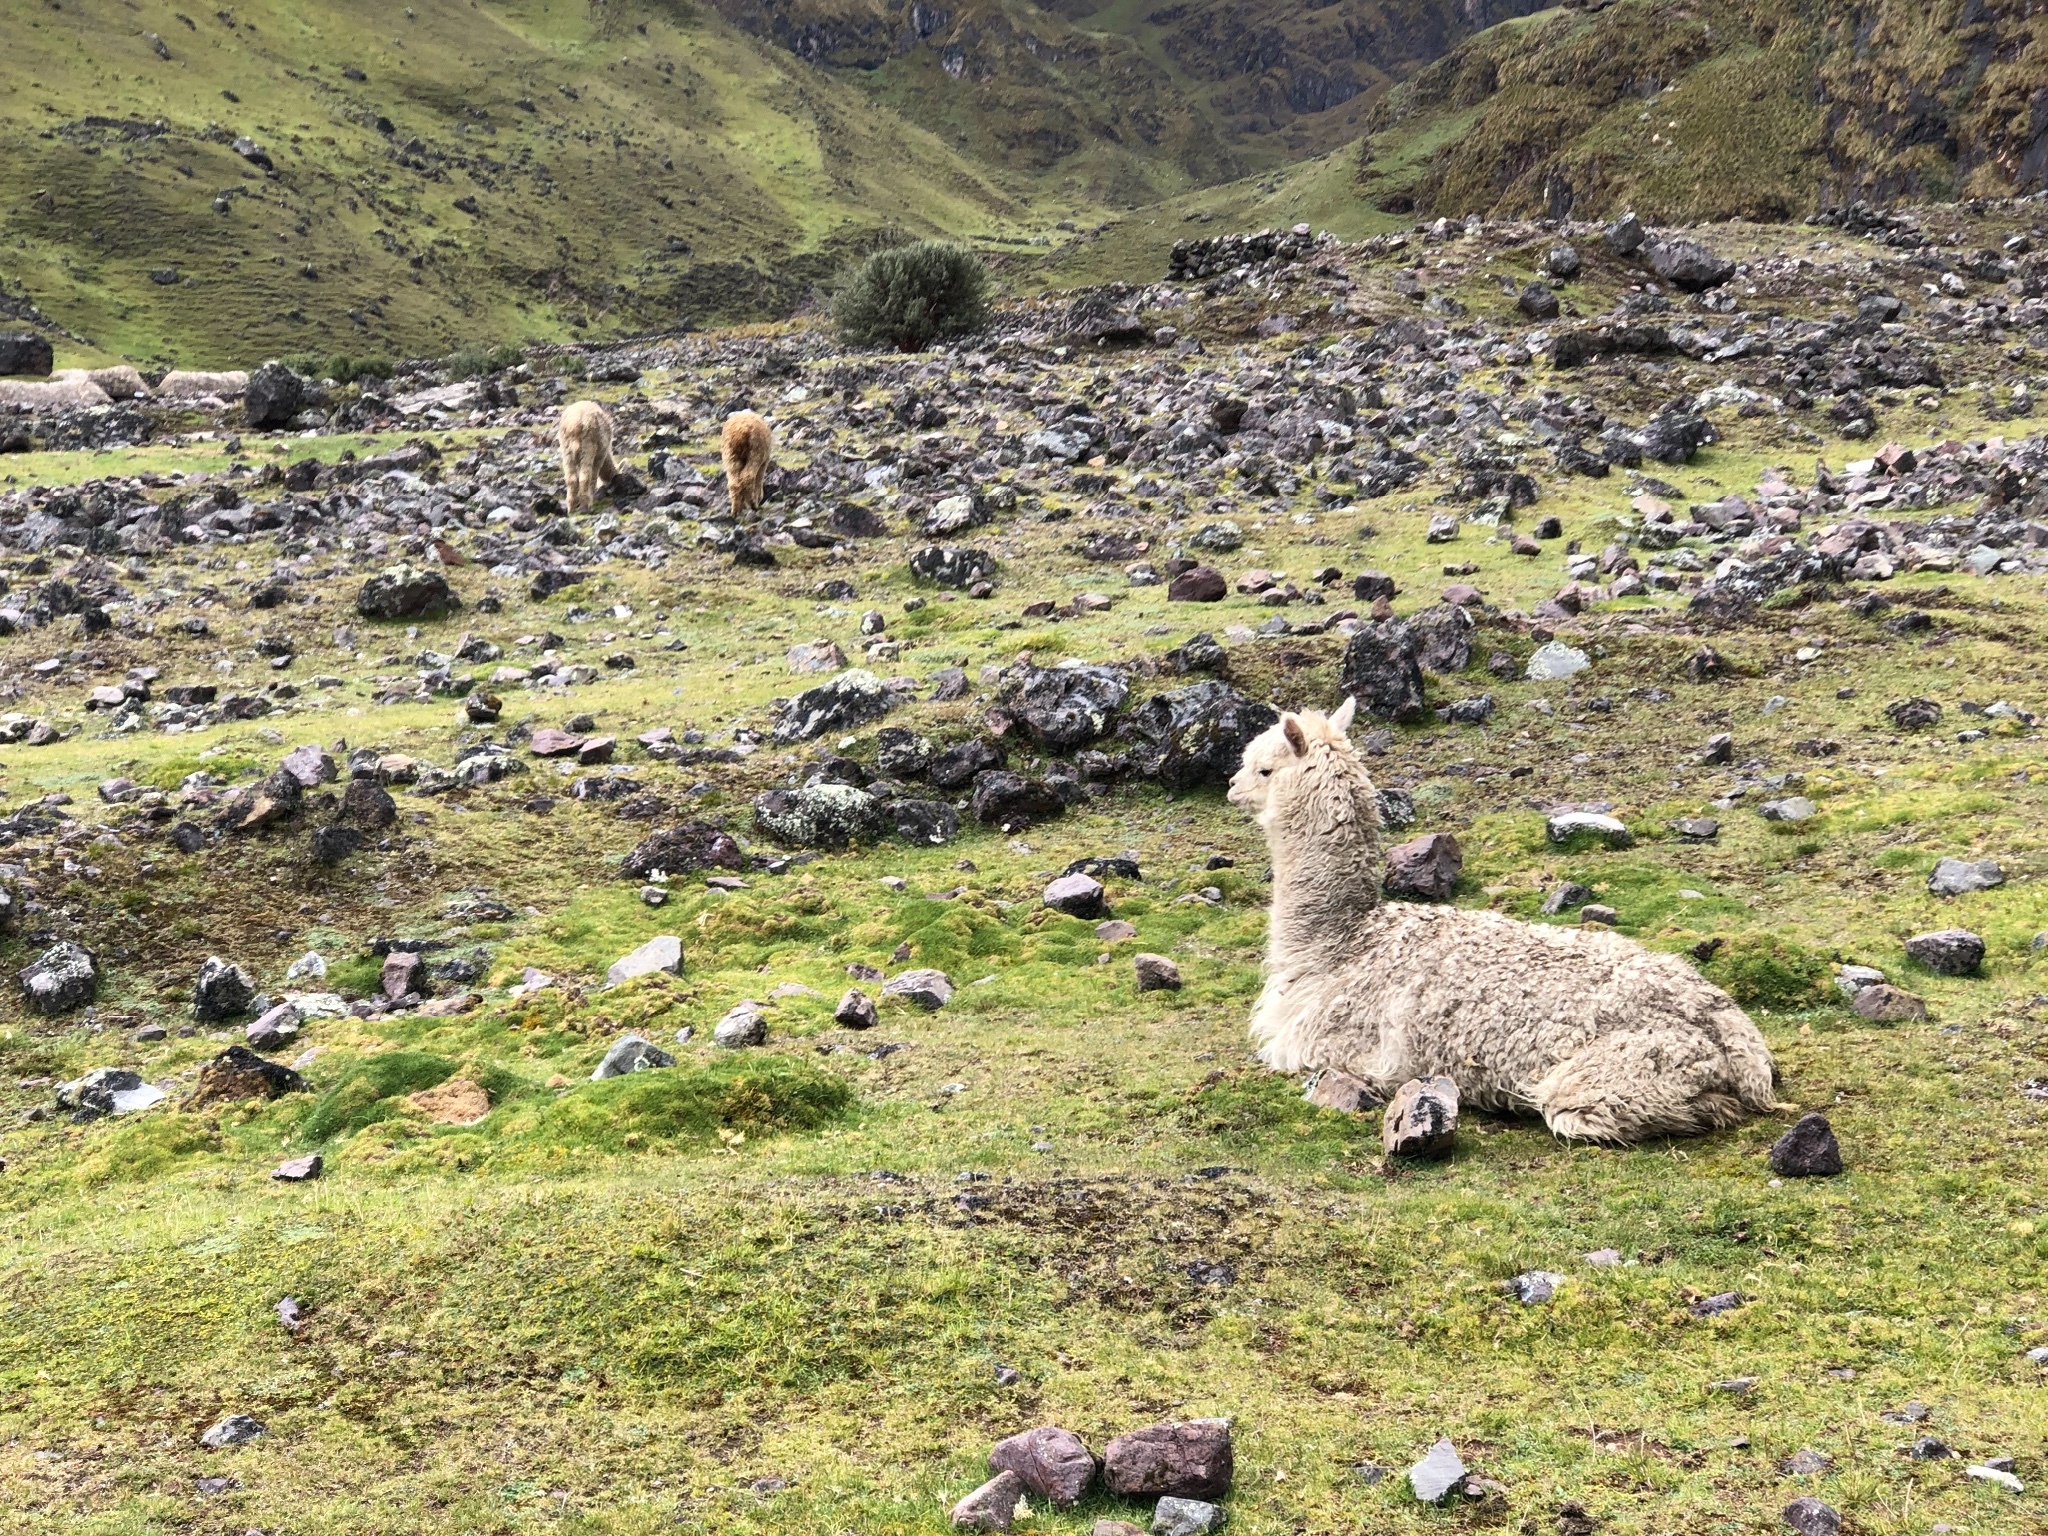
x=1630, y=1086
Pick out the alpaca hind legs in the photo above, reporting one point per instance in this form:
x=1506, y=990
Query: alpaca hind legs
x=1631, y=1086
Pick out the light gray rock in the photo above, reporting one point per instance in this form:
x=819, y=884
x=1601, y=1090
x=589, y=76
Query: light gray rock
x=664, y=952
x=1534, y=1287
x=744, y=1025
x=1566, y=825
x=1553, y=661
x=992, y=1506
x=61, y=978
x=856, y=1010
x=1437, y=1473
x=1960, y=877
x=235, y=1429
x=1077, y=895
x=926, y=988
x=1185, y=1517
x=631, y=1053
x=1851, y=979
x=1793, y=808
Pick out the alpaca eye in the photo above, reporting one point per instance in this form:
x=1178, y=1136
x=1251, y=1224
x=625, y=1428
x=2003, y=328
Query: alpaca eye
x=1265, y=773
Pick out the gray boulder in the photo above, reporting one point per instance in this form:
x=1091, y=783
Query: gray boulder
x=664, y=952
x=821, y=816
x=853, y=698
x=1425, y=868
x=274, y=396
x=1947, y=951
x=944, y=566
x=61, y=978
x=1689, y=265
x=25, y=354
x=631, y=1053
x=406, y=592
x=1382, y=669
x=744, y=1025
x=235, y=1429
x=928, y=989
x=1960, y=877
x=223, y=991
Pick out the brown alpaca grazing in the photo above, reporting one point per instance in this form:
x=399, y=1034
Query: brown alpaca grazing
x=586, y=434
x=1605, y=1039
x=748, y=446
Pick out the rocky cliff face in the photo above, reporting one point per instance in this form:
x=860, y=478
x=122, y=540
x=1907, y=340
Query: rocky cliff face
x=1193, y=89
x=1766, y=110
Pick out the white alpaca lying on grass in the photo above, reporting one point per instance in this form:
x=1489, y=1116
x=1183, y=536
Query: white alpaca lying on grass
x=1603, y=1038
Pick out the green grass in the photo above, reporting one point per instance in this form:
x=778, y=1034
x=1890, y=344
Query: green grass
x=616, y=1307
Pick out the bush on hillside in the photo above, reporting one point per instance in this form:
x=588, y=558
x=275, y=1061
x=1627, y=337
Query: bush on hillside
x=910, y=295
x=475, y=360
x=339, y=367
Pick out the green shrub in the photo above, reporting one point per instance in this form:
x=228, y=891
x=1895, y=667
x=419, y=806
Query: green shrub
x=340, y=367
x=475, y=360
x=909, y=295
x=1761, y=970
x=372, y=1090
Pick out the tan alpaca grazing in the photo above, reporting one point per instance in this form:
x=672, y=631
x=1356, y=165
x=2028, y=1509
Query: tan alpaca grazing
x=586, y=434
x=748, y=446
x=1604, y=1039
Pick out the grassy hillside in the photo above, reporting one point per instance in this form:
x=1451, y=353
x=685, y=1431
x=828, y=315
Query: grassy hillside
x=1761, y=109
x=441, y=173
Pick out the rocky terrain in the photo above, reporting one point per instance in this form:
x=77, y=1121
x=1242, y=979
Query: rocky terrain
x=524, y=1022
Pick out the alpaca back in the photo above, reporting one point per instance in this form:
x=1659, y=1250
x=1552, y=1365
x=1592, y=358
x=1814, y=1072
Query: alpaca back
x=586, y=439
x=747, y=445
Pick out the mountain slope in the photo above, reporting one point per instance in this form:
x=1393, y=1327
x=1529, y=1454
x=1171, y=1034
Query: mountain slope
x=1701, y=109
x=435, y=174
x=1131, y=100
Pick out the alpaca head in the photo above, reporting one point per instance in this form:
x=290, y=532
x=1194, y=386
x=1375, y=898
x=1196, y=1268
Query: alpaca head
x=1282, y=764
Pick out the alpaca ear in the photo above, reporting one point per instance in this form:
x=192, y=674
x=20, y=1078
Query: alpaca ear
x=1296, y=738
x=1340, y=718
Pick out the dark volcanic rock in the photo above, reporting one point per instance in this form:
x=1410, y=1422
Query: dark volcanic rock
x=1807, y=1151
x=239, y=1073
x=680, y=850
x=1443, y=638
x=853, y=698
x=929, y=823
x=406, y=592
x=1061, y=708
x=1948, y=951
x=1383, y=671
x=1012, y=802
x=957, y=766
x=1189, y=1460
x=949, y=567
x=1191, y=736
x=274, y=396
x=25, y=354
x=223, y=991
x=367, y=806
x=332, y=845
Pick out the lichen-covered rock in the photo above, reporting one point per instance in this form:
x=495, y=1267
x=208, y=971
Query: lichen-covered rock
x=1194, y=736
x=1051, y=1462
x=854, y=698
x=62, y=977
x=223, y=991
x=1012, y=802
x=822, y=816
x=1061, y=708
x=1189, y=1460
x=1382, y=669
x=944, y=566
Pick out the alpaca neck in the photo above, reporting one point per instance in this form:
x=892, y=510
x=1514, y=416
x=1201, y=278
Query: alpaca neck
x=1326, y=879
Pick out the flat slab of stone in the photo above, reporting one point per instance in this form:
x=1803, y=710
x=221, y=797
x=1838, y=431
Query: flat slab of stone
x=1566, y=825
x=1437, y=1473
x=992, y=1506
x=664, y=952
x=1882, y=1003
x=1961, y=877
